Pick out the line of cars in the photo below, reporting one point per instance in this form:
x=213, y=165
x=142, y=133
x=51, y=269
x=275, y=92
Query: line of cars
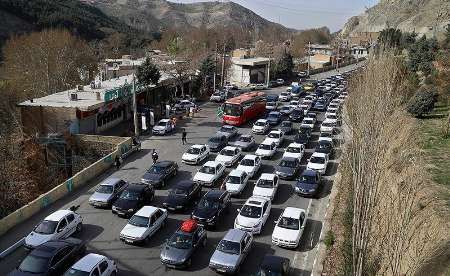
x=132, y=200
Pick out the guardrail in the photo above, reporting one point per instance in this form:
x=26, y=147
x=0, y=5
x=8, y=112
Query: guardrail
x=67, y=187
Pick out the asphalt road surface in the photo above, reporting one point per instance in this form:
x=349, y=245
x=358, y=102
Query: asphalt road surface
x=101, y=228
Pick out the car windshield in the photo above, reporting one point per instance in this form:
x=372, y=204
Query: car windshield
x=232, y=109
x=162, y=123
x=207, y=203
x=289, y=223
x=193, y=151
x=265, y=183
x=308, y=120
x=259, y=123
x=327, y=124
x=208, y=170
x=156, y=169
x=334, y=117
x=265, y=147
x=324, y=145
x=273, y=115
x=226, y=129
x=247, y=162
x=180, y=241
x=227, y=152
x=271, y=103
x=288, y=163
x=229, y=247
x=138, y=221
x=76, y=272
x=284, y=94
x=325, y=134
x=46, y=227
x=274, y=135
x=105, y=189
x=179, y=192
x=34, y=264
x=251, y=211
x=310, y=179
x=285, y=108
x=294, y=150
x=234, y=180
x=129, y=195
x=318, y=160
x=246, y=139
x=286, y=124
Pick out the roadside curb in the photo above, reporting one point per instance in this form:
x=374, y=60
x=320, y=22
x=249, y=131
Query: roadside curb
x=12, y=248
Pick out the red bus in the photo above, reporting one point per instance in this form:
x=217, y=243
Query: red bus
x=237, y=111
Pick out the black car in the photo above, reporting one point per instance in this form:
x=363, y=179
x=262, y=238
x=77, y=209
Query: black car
x=288, y=167
x=212, y=207
x=274, y=118
x=287, y=127
x=217, y=142
x=159, y=173
x=180, y=247
x=296, y=115
x=303, y=136
x=320, y=106
x=132, y=199
x=274, y=265
x=51, y=258
x=308, y=184
x=182, y=195
x=326, y=147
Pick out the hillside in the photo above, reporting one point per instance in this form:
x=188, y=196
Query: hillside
x=422, y=16
x=154, y=15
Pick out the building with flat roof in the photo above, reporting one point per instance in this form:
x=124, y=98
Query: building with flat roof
x=119, y=67
x=323, y=49
x=244, y=71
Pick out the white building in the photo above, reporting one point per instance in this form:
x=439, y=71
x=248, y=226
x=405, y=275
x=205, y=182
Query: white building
x=244, y=71
x=359, y=52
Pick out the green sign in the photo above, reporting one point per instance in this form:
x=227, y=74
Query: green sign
x=121, y=92
x=219, y=112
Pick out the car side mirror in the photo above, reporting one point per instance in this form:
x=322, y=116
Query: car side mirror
x=60, y=230
x=276, y=221
x=239, y=210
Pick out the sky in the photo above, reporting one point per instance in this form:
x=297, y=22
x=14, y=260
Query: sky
x=304, y=14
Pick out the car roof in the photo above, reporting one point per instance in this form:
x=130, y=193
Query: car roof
x=246, y=135
x=235, y=173
x=235, y=235
x=250, y=156
x=88, y=262
x=136, y=187
x=292, y=212
x=275, y=131
x=262, y=120
x=227, y=126
x=318, y=154
x=211, y=164
x=267, y=176
x=309, y=173
x=111, y=181
x=49, y=248
x=58, y=215
x=230, y=148
x=164, y=120
x=267, y=142
x=274, y=113
x=295, y=145
x=214, y=194
x=197, y=146
x=146, y=211
x=287, y=158
x=163, y=163
x=185, y=183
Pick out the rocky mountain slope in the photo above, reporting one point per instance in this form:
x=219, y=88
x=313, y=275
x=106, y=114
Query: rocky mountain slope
x=422, y=16
x=153, y=15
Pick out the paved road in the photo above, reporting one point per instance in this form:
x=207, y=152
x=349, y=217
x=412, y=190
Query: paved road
x=101, y=227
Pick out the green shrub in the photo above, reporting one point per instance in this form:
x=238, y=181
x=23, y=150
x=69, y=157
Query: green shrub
x=329, y=239
x=422, y=102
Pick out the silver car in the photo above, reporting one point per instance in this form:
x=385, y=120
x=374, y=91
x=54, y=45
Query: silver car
x=107, y=192
x=231, y=251
x=245, y=142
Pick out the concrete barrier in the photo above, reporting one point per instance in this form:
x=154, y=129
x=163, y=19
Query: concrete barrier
x=78, y=180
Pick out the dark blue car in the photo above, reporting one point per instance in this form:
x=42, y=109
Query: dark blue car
x=272, y=98
x=274, y=118
x=308, y=184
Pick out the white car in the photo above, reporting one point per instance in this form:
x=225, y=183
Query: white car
x=209, y=173
x=217, y=97
x=266, y=149
x=250, y=164
x=318, y=162
x=143, y=224
x=326, y=136
x=229, y=155
x=93, y=264
x=59, y=225
x=305, y=108
x=275, y=136
x=266, y=186
x=294, y=104
x=285, y=97
x=308, y=122
x=289, y=227
x=195, y=154
x=236, y=182
x=253, y=215
x=328, y=126
x=332, y=109
x=163, y=127
x=271, y=106
x=295, y=150
x=261, y=126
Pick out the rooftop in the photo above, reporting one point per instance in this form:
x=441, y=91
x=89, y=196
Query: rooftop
x=88, y=262
x=56, y=216
x=250, y=61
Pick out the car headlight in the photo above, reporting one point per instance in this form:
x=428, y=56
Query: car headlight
x=130, y=210
x=258, y=224
x=179, y=206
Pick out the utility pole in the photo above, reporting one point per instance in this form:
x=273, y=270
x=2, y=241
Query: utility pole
x=337, y=57
x=215, y=68
x=309, y=57
x=135, y=118
x=268, y=73
x=223, y=65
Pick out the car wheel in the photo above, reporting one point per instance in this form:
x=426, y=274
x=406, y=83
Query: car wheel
x=79, y=227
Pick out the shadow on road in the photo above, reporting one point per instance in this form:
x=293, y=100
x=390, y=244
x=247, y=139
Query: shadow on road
x=311, y=235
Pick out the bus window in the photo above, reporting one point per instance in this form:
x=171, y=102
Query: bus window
x=232, y=109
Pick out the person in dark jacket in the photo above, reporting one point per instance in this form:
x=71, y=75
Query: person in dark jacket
x=183, y=136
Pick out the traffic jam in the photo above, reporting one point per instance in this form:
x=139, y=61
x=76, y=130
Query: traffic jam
x=257, y=127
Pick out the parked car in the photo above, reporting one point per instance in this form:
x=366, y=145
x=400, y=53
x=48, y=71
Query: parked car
x=286, y=127
x=253, y=214
x=326, y=136
x=229, y=155
x=296, y=115
x=217, y=97
x=287, y=168
x=326, y=147
x=275, y=136
x=163, y=127
x=303, y=74
x=180, y=248
x=296, y=91
x=230, y=86
x=250, y=164
x=231, y=251
x=184, y=104
x=158, y=174
x=308, y=184
x=266, y=149
x=295, y=150
x=320, y=106
x=274, y=118
x=285, y=96
x=212, y=207
x=273, y=83
x=308, y=122
x=274, y=265
x=289, y=227
x=236, y=182
x=93, y=264
x=261, y=86
x=271, y=106
x=184, y=193
x=303, y=136
x=217, y=142
x=245, y=142
x=328, y=126
x=318, y=162
x=107, y=192
x=227, y=131
x=266, y=186
x=143, y=225
x=286, y=110
x=210, y=173
x=58, y=225
x=51, y=258
x=261, y=126
x=195, y=154
x=280, y=81
x=132, y=198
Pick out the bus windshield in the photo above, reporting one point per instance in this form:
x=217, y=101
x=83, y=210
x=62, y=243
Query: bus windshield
x=232, y=109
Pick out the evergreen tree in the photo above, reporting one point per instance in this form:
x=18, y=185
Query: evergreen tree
x=285, y=66
x=148, y=73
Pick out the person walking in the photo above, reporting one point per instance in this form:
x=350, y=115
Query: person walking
x=155, y=156
x=183, y=136
x=117, y=162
